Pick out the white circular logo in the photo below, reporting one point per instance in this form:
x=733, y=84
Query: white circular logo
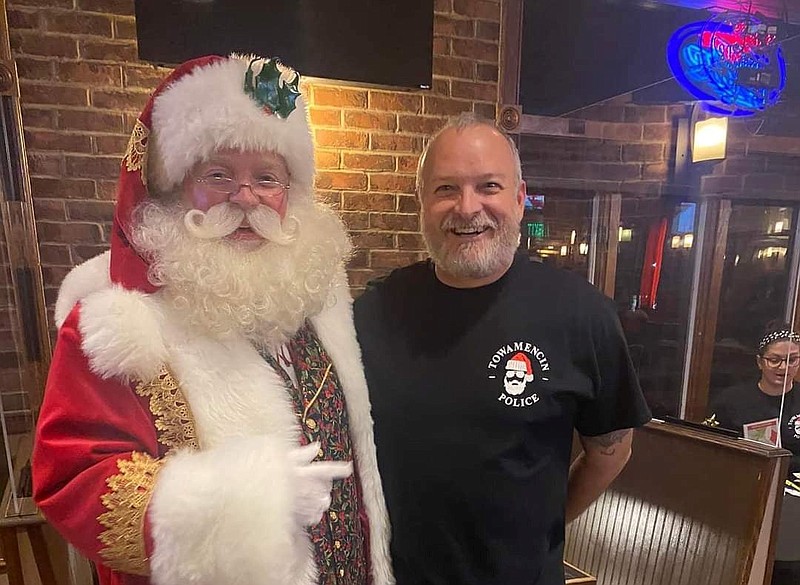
x=514, y=367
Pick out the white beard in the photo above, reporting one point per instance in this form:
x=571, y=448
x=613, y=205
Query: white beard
x=226, y=287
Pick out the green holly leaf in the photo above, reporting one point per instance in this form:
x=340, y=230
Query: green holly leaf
x=272, y=85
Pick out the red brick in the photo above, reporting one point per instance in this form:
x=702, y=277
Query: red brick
x=370, y=120
x=373, y=240
x=89, y=73
x=623, y=132
x=325, y=116
x=407, y=164
x=487, y=72
x=144, y=77
x=359, y=259
x=439, y=106
x=355, y=220
x=34, y=69
x=656, y=171
x=37, y=43
x=420, y=124
x=51, y=94
x=358, y=278
x=387, y=259
x=91, y=120
x=643, y=152
x=339, y=97
x=19, y=19
x=368, y=201
x=62, y=188
x=341, y=139
x=474, y=49
x=657, y=132
x=443, y=6
x=395, y=143
x=602, y=113
x=47, y=140
x=770, y=181
x=111, y=144
x=454, y=67
x=332, y=199
x=55, y=255
x=410, y=242
x=48, y=165
x=489, y=31
x=123, y=7
x=55, y=274
x=90, y=210
x=392, y=183
x=395, y=222
x=441, y=46
x=125, y=28
x=119, y=100
x=448, y=26
x=108, y=51
x=368, y=162
x=487, y=111
x=441, y=86
x=328, y=159
x=49, y=209
x=78, y=23
x=477, y=9
x=72, y=232
x=722, y=184
x=101, y=167
x=474, y=91
x=340, y=180
x=84, y=253
x=106, y=190
x=395, y=102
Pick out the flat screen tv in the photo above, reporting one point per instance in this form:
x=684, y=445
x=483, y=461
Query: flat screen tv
x=382, y=42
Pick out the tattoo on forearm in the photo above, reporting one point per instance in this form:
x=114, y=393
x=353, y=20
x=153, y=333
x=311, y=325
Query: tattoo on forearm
x=608, y=442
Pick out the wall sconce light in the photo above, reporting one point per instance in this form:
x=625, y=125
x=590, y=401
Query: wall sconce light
x=688, y=240
x=572, y=238
x=624, y=234
x=710, y=139
x=583, y=248
x=676, y=242
x=563, y=250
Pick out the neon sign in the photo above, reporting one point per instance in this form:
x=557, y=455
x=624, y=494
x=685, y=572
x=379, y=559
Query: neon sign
x=733, y=61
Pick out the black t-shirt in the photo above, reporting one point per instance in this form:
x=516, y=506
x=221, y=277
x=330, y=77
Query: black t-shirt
x=745, y=403
x=475, y=473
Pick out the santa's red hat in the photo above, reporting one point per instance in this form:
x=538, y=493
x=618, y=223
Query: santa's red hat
x=519, y=362
x=208, y=104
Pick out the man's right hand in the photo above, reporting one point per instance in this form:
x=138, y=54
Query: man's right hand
x=314, y=481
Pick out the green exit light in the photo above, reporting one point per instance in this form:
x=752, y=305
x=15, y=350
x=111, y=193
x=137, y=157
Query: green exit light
x=537, y=229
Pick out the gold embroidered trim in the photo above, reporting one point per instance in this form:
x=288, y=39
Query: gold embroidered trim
x=136, y=154
x=126, y=502
x=174, y=419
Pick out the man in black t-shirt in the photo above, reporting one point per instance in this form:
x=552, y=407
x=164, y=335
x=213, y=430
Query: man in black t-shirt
x=481, y=364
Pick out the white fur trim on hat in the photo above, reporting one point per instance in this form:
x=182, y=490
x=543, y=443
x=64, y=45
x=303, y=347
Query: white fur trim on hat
x=208, y=110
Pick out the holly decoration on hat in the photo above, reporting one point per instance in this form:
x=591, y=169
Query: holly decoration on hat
x=272, y=85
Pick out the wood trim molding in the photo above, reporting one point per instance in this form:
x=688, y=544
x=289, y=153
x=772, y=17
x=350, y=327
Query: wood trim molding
x=510, y=51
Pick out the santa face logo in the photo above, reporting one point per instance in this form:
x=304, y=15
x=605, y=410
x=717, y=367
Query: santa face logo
x=519, y=364
x=794, y=423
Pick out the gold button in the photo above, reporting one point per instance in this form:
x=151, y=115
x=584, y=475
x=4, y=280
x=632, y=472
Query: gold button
x=311, y=424
x=341, y=572
x=333, y=516
x=337, y=544
x=320, y=453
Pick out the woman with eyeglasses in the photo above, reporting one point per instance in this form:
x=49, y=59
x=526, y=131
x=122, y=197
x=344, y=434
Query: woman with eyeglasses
x=743, y=406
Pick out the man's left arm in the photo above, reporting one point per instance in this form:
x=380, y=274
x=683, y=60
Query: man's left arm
x=603, y=457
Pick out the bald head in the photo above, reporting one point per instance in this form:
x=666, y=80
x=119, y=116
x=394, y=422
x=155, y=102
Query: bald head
x=458, y=125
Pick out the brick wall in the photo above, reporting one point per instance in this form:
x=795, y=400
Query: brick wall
x=82, y=88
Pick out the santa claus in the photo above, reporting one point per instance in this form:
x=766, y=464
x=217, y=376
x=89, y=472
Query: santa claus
x=206, y=417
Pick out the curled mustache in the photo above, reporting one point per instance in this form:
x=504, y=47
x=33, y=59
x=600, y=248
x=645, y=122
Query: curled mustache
x=223, y=219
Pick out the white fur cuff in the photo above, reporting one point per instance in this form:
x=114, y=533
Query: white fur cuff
x=225, y=516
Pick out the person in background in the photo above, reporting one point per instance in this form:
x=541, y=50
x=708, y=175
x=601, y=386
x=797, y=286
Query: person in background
x=206, y=417
x=757, y=401
x=481, y=365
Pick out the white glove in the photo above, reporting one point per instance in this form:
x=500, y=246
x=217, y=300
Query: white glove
x=313, y=482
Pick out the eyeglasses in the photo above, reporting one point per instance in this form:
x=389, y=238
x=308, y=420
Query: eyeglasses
x=224, y=185
x=776, y=362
